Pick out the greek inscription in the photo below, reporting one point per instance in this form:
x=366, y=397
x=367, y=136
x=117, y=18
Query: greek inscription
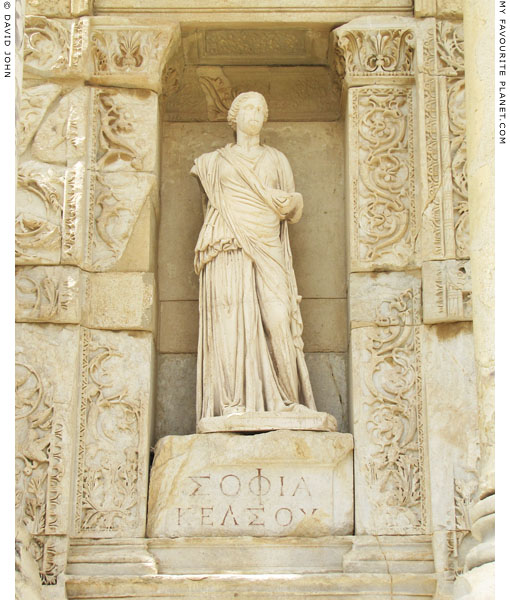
x=229, y=488
x=283, y=516
x=301, y=486
x=180, y=513
x=314, y=510
x=259, y=485
x=206, y=515
x=199, y=484
x=231, y=513
x=255, y=516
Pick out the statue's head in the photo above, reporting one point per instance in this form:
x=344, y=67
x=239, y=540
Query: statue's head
x=252, y=102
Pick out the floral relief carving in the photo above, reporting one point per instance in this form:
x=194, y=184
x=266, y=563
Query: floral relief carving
x=218, y=91
x=375, y=52
x=38, y=223
x=125, y=130
x=254, y=42
x=33, y=106
x=383, y=189
x=47, y=44
x=39, y=451
x=450, y=47
x=465, y=495
x=108, y=456
x=395, y=468
x=458, y=153
x=125, y=51
x=47, y=294
x=115, y=203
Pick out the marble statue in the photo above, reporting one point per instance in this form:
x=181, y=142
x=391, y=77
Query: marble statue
x=252, y=373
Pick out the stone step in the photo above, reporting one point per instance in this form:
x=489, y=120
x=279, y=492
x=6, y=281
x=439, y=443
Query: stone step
x=324, y=586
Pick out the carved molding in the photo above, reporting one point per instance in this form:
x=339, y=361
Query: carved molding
x=447, y=291
x=113, y=436
x=381, y=164
x=33, y=106
x=445, y=211
x=375, y=52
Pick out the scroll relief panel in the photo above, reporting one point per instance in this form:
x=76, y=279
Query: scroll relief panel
x=87, y=172
x=381, y=178
x=388, y=414
x=114, y=423
x=46, y=399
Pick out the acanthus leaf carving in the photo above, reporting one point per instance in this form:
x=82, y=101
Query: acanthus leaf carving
x=375, y=52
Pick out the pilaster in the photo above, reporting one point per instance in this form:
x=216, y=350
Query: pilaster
x=86, y=219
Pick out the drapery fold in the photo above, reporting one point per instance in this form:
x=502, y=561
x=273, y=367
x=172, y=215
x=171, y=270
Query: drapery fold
x=250, y=352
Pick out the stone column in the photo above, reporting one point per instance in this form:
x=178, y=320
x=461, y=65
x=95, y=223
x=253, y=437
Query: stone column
x=86, y=217
x=478, y=581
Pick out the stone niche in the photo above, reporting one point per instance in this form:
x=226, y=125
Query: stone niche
x=290, y=68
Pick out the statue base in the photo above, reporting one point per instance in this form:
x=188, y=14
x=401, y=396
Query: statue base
x=298, y=419
x=275, y=484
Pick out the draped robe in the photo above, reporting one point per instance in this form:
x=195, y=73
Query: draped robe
x=250, y=350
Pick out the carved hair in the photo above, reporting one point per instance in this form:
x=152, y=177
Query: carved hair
x=237, y=104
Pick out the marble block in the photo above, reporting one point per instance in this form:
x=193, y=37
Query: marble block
x=281, y=483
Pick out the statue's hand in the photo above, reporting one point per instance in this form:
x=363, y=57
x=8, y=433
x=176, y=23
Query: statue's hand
x=289, y=205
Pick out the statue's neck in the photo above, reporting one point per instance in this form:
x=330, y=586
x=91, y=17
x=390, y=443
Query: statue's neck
x=247, y=142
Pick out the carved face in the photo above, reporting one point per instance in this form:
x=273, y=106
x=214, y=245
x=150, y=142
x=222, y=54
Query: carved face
x=250, y=117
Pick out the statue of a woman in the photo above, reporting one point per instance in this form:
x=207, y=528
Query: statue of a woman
x=252, y=374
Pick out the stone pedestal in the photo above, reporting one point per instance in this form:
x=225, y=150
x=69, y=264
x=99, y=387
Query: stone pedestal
x=282, y=483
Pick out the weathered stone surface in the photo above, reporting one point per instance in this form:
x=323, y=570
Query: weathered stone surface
x=58, y=8
x=117, y=201
x=27, y=580
x=452, y=423
x=47, y=388
x=263, y=485
x=260, y=586
x=114, y=433
x=367, y=292
x=120, y=301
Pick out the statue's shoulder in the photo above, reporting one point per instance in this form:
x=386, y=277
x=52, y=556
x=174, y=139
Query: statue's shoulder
x=278, y=154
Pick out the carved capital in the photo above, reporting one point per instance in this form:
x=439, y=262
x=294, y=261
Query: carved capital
x=128, y=53
x=373, y=54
